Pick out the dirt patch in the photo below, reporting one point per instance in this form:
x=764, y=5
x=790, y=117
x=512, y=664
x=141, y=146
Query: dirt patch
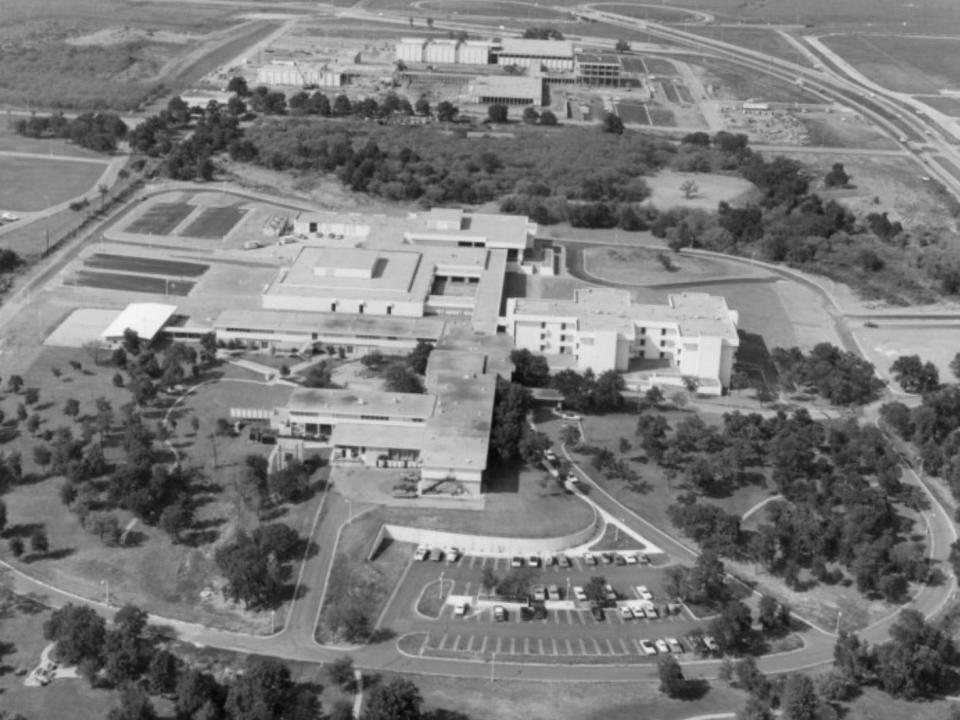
x=844, y=129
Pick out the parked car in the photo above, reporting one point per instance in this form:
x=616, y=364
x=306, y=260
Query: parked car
x=499, y=613
x=695, y=641
x=539, y=593
x=662, y=646
x=539, y=611
x=609, y=593
x=570, y=416
x=630, y=558
x=675, y=646
x=452, y=554
x=651, y=612
x=553, y=593
x=421, y=553
x=606, y=558
x=643, y=593
x=644, y=560
x=579, y=593
x=563, y=561
x=647, y=647
x=533, y=561
x=516, y=561
x=625, y=612
x=550, y=455
x=619, y=559
x=590, y=559
x=597, y=613
x=460, y=609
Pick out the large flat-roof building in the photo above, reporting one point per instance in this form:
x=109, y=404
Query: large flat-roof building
x=506, y=90
x=694, y=335
x=443, y=51
x=547, y=54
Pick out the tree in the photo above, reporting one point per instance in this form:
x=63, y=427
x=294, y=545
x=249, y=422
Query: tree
x=511, y=404
x=238, y=85
x=39, y=544
x=528, y=369
x=134, y=705
x=447, y=111
x=773, y=616
x=162, y=673
x=732, y=628
x=689, y=188
x=175, y=519
x=3, y=515
x=131, y=342
x=548, y=119
x=71, y=408
x=398, y=699
x=532, y=446
x=672, y=682
x=531, y=116
x=851, y=656
x=497, y=113
x=955, y=366
x=622, y=46
x=31, y=396
x=418, y=357
x=14, y=383
x=917, y=659
x=21, y=412
x=42, y=455
x=755, y=709
x=613, y=124
x=264, y=691
x=422, y=106
x=800, y=701
x=914, y=375
x=399, y=378
x=117, y=380
x=93, y=348
x=16, y=547
x=837, y=177
x=78, y=631
x=341, y=673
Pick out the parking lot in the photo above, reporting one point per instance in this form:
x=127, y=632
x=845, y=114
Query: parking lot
x=569, y=633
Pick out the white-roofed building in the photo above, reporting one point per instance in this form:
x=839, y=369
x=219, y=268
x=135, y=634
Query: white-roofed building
x=694, y=335
x=145, y=319
x=523, y=52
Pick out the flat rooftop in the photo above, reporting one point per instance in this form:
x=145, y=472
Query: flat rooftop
x=343, y=324
x=356, y=403
x=507, y=86
x=607, y=309
x=145, y=319
x=537, y=48
x=355, y=273
x=403, y=437
x=458, y=433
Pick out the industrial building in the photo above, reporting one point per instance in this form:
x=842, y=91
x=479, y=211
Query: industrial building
x=290, y=72
x=443, y=51
x=596, y=68
x=544, y=54
x=506, y=90
x=694, y=335
x=145, y=319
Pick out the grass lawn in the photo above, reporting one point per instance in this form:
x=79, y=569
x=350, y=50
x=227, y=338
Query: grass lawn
x=639, y=266
x=905, y=64
x=874, y=704
x=568, y=701
x=214, y=223
x=765, y=40
x=22, y=631
x=432, y=599
x=736, y=84
x=356, y=582
x=10, y=141
x=153, y=572
x=28, y=184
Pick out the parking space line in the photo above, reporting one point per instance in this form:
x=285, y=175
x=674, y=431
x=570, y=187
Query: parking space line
x=443, y=641
x=499, y=639
x=623, y=644
x=540, y=646
x=516, y=616
x=596, y=646
x=466, y=588
x=456, y=643
x=556, y=616
x=426, y=641
x=526, y=646
x=609, y=645
x=554, y=643
x=583, y=648
x=483, y=645
x=513, y=646
x=569, y=647
x=469, y=647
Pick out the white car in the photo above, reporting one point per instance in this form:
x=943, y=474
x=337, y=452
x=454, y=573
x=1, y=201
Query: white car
x=643, y=593
x=421, y=554
x=625, y=612
x=533, y=561
x=569, y=416
x=9, y=217
x=550, y=455
x=460, y=609
x=662, y=646
x=651, y=612
x=647, y=647
x=675, y=646
x=579, y=593
x=711, y=644
x=631, y=558
x=452, y=554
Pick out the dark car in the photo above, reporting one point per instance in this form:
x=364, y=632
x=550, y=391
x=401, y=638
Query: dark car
x=619, y=559
x=597, y=613
x=606, y=558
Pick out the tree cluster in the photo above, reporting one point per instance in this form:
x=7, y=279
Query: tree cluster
x=257, y=565
x=842, y=377
x=98, y=131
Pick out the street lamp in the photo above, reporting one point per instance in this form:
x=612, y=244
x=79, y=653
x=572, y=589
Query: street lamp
x=493, y=666
x=440, y=593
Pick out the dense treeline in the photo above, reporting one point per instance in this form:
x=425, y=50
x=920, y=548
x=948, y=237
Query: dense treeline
x=838, y=481
x=843, y=378
x=96, y=131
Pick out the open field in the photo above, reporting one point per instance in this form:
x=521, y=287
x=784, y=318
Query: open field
x=10, y=141
x=711, y=189
x=842, y=130
x=633, y=113
x=936, y=342
x=946, y=105
x=495, y=8
x=160, y=219
x=761, y=39
x=28, y=184
x=736, y=83
x=649, y=11
x=214, y=223
x=22, y=632
x=639, y=266
x=901, y=63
